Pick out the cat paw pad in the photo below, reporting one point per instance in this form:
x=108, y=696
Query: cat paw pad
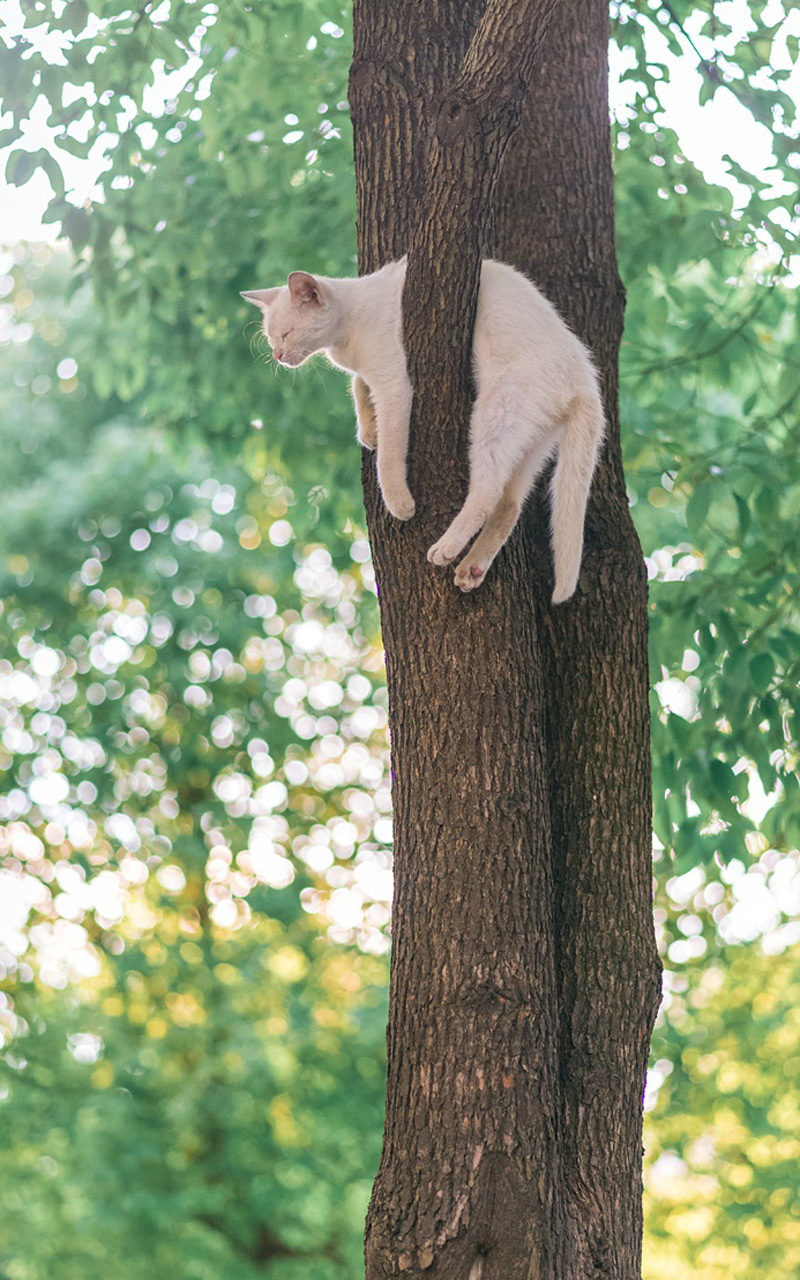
x=470, y=575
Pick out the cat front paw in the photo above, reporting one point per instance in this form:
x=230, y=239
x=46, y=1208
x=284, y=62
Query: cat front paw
x=366, y=422
x=441, y=552
x=402, y=506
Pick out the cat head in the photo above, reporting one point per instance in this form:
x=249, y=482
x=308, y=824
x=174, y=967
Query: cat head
x=297, y=317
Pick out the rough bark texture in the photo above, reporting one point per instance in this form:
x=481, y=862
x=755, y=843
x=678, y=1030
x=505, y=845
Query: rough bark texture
x=555, y=219
x=524, y=975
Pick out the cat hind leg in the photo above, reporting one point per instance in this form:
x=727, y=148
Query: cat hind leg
x=473, y=568
x=481, y=501
x=500, y=437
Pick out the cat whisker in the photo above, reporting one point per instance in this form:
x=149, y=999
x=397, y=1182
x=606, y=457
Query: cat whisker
x=257, y=342
x=316, y=370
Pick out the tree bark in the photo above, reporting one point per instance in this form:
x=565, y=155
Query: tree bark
x=524, y=976
x=555, y=220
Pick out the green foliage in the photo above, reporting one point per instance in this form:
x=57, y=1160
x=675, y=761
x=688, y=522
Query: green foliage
x=190, y=1113
x=722, y=1195
x=195, y=835
x=710, y=392
x=193, y=742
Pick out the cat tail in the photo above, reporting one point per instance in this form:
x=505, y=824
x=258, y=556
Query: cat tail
x=578, y=451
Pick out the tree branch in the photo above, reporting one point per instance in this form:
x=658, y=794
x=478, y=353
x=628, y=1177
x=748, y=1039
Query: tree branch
x=504, y=50
x=470, y=130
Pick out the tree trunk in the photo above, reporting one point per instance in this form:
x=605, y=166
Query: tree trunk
x=555, y=219
x=524, y=976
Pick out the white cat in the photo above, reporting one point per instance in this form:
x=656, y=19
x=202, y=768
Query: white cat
x=537, y=393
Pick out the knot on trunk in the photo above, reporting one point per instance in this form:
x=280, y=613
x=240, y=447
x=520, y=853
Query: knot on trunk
x=457, y=119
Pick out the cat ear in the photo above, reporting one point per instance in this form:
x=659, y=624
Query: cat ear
x=305, y=288
x=262, y=297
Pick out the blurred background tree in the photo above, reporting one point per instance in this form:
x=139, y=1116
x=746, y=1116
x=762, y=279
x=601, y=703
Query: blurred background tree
x=195, y=818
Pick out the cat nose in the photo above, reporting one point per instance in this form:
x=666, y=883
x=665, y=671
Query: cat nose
x=277, y=354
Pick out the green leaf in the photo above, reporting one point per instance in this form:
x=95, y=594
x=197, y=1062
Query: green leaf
x=53, y=170
x=77, y=226
x=744, y=514
x=762, y=670
x=698, y=505
x=737, y=668
x=21, y=166
x=9, y=136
